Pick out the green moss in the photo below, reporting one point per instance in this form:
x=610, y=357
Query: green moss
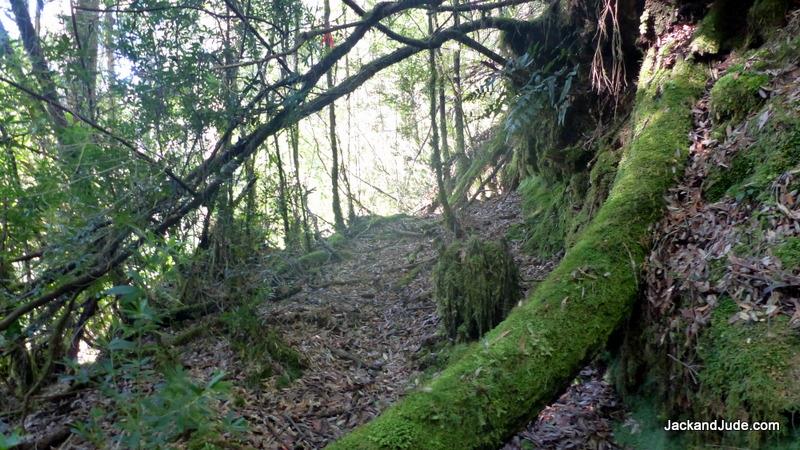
x=721, y=179
x=391, y=436
x=735, y=95
x=556, y=211
x=548, y=214
x=750, y=372
x=788, y=251
x=475, y=286
x=765, y=16
x=600, y=179
x=517, y=368
x=337, y=240
x=775, y=149
x=710, y=35
x=314, y=259
x=720, y=29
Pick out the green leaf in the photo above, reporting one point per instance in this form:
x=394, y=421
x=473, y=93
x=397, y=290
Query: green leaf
x=9, y=441
x=122, y=290
x=120, y=344
x=215, y=379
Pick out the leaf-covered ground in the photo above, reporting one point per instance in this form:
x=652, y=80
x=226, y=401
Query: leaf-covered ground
x=365, y=327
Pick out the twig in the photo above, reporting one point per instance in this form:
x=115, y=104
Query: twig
x=349, y=356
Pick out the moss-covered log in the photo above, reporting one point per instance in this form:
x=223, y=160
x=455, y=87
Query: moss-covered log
x=524, y=362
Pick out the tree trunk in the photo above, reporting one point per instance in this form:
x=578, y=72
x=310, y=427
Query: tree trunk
x=443, y=128
x=283, y=205
x=338, y=218
x=351, y=212
x=458, y=105
x=30, y=41
x=85, y=29
x=436, y=157
x=521, y=365
x=294, y=134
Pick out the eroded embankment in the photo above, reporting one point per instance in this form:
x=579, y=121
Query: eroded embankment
x=717, y=337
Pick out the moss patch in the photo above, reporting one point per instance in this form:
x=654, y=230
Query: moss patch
x=314, y=259
x=735, y=95
x=475, y=286
x=788, y=251
x=557, y=210
x=775, y=150
x=764, y=18
x=548, y=213
x=520, y=365
x=711, y=34
x=722, y=28
x=750, y=372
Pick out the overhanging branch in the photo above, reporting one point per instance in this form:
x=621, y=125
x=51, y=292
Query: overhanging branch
x=171, y=209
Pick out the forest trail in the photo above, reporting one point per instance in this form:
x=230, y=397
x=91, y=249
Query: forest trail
x=365, y=326
x=362, y=324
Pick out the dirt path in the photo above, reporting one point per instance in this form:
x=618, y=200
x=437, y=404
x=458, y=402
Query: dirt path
x=361, y=324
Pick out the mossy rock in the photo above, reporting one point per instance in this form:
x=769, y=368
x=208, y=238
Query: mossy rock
x=314, y=259
x=750, y=372
x=735, y=95
x=475, y=286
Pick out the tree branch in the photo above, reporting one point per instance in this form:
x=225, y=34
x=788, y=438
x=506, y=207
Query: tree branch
x=224, y=164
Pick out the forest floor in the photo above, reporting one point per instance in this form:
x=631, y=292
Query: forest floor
x=366, y=328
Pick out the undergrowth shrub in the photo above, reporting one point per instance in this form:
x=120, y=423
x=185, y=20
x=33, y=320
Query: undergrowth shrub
x=151, y=405
x=475, y=286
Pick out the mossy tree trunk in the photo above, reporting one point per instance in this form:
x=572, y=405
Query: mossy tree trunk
x=443, y=127
x=476, y=284
x=530, y=357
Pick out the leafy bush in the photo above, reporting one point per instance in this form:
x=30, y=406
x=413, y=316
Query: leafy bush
x=178, y=409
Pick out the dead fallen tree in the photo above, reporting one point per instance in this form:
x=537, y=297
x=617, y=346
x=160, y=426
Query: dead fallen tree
x=530, y=357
